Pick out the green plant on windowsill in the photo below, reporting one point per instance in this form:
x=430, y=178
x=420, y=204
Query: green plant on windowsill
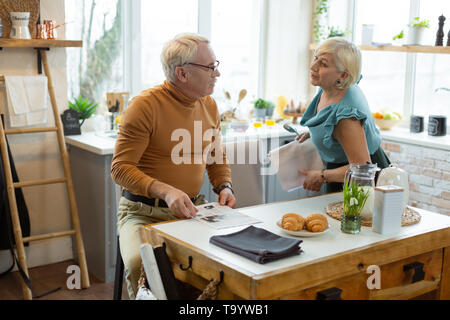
x=84, y=107
x=399, y=36
x=419, y=23
x=260, y=104
x=416, y=23
x=355, y=198
x=336, y=32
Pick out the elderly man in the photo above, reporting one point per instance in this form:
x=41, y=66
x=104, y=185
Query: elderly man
x=160, y=183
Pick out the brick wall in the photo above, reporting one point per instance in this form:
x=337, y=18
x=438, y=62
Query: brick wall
x=429, y=174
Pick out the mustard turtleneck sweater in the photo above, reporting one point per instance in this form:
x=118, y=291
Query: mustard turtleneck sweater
x=148, y=139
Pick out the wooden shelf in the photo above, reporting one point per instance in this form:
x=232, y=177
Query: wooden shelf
x=405, y=48
x=38, y=43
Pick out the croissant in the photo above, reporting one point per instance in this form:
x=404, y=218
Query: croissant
x=316, y=222
x=292, y=222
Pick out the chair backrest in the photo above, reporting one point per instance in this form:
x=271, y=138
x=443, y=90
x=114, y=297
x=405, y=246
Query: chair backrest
x=245, y=158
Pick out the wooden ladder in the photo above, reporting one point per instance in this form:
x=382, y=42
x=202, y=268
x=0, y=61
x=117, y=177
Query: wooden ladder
x=67, y=179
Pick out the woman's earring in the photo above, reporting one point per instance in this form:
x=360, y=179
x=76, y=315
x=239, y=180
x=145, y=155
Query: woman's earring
x=338, y=81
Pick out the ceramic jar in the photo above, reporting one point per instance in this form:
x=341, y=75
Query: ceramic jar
x=19, y=27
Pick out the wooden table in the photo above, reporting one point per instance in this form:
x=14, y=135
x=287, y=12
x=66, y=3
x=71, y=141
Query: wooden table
x=332, y=265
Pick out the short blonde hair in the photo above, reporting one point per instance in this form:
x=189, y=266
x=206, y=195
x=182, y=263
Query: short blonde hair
x=178, y=51
x=348, y=58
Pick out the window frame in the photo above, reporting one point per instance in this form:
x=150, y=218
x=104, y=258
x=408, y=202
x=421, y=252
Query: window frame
x=411, y=63
x=132, y=44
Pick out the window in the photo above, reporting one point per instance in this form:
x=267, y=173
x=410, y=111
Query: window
x=404, y=82
x=383, y=73
x=433, y=70
x=159, y=23
x=234, y=38
x=217, y=20
x=97, y=67
x=122, y=43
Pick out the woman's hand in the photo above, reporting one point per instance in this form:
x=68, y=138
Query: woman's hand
x=313, y=180
x=302, y=137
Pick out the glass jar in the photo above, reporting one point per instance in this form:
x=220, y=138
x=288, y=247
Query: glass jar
x=359, y=184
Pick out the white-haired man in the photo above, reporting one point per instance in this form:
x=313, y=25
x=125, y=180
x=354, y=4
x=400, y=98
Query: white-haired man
x=157, y=185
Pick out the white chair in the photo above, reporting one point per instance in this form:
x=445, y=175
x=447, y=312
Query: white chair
x=245, y=159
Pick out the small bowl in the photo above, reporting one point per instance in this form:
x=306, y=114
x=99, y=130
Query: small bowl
x=239, y=125
x=386, y=124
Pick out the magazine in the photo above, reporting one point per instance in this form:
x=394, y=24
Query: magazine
x=221, y=217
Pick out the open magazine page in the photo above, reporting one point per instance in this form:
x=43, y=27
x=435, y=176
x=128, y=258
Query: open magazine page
x=221, y=217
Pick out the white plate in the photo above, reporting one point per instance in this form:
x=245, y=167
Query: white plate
x=302, y=233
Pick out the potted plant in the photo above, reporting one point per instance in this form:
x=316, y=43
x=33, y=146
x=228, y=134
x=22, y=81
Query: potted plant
x=270, y=107
x=415, y=31
x=260, y=108
x=84, y=107
x=337, y=32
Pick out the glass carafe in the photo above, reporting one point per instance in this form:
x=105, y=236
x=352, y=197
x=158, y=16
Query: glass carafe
x=362, y=176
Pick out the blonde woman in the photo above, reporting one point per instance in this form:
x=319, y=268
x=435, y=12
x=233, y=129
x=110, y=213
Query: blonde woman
x=339, y=119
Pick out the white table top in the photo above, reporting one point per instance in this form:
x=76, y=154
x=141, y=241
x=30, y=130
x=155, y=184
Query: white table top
x=333, y=242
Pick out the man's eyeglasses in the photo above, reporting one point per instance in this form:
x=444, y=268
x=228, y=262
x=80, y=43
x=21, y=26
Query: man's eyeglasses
x=213, y=67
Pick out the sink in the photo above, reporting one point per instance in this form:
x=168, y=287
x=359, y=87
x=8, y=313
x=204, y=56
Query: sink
x=112, y=134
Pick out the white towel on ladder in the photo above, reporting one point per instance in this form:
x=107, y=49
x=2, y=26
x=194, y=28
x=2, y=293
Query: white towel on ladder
x=27, y=100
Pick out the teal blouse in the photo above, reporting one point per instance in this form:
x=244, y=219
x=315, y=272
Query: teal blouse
x=321, y=125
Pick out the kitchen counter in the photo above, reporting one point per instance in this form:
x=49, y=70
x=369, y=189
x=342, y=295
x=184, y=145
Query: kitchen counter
x=103, y=143
x=399, y=134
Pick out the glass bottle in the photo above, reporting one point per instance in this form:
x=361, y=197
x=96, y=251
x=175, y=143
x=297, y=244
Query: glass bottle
x=359, y=184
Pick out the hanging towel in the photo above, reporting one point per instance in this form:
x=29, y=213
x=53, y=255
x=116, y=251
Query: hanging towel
x=26, y=99
x=244, y=158
x=258, y=244
x=292, y=157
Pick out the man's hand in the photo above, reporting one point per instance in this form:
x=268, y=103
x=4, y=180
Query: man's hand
x=227, y=198
x=313, y=180
x=180, y=204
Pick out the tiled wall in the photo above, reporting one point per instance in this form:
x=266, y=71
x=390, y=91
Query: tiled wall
x=429, y=174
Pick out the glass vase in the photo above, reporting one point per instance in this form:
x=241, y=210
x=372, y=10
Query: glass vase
x=350, y=224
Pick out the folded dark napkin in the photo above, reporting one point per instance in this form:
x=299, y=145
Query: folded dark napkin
x=258, y=244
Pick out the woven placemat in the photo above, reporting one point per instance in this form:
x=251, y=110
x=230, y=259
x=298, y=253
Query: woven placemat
x=409, y=217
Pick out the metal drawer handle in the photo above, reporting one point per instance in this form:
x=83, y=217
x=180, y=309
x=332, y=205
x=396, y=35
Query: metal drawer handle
x=329, y=294
x=419, y=274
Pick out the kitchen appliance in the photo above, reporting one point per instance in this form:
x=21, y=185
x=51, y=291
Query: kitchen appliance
x=393, y=175
x=437, y=125
x=19, y=27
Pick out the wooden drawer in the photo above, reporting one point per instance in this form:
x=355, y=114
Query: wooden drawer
x=396, y=281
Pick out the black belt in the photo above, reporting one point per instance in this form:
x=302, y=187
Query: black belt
x=148, y=201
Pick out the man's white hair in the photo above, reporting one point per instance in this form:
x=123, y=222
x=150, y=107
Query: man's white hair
x=179, y=51
x=348, y=58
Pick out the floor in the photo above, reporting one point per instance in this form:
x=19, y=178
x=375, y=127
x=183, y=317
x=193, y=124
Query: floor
x=46, y=278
